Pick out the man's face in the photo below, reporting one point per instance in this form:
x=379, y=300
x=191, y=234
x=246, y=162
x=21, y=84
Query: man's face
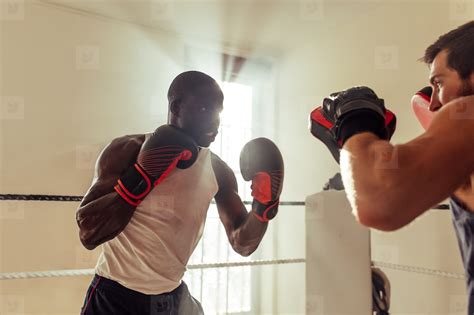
x=199, y=114
x=446, y=82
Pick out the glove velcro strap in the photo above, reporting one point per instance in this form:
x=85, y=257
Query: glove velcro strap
x=363, y=120
x=360, y=104
x=265, y=212
x=135, y=184
x=124, y=196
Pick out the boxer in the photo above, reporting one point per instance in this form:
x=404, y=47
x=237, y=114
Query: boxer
x=148, y=202
x=387, y=185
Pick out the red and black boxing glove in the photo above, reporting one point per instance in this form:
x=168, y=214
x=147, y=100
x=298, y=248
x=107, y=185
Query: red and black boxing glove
x=350, y=112
x=167, y=148
x=262, y=163
x=420, y=103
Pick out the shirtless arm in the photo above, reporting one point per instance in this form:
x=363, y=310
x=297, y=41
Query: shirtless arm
x=243, y=229
x=389, y=186
x=103, y=214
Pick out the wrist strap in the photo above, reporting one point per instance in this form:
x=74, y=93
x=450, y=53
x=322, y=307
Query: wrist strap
x=265, y=212
x=364, y=120
x=124, y=196
x=134, y=185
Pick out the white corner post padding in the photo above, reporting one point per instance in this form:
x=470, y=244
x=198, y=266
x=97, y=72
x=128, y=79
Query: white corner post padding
x=338, y=273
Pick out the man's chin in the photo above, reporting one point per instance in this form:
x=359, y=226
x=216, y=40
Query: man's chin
x=204, y=140
x=204, y=143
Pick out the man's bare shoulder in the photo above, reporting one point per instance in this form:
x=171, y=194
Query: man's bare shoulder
x=220, y=167
x=224, y=174
x=455, y=122
x=132, y=140
x=460, y=109
x=123, y=146
x=469, y=98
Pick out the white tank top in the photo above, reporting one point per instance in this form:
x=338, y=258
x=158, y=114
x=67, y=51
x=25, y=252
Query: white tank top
x=151, y=253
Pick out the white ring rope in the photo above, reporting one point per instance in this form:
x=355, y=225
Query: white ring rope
x=247, y=263
x=421, y=270
x=86, y=272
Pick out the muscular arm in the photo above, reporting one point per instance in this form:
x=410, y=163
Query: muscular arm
x=389, y=186
x=103, y=214
x=243, y=229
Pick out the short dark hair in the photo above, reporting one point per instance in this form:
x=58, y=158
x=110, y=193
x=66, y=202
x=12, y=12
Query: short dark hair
x=459, y=43
x=187, y=83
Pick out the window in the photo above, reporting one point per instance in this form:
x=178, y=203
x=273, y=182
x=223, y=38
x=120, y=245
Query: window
x=225, y=290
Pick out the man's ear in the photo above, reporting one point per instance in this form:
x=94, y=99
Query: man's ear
x=175, y=107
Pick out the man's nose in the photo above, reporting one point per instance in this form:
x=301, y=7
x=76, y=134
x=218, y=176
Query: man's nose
x=435, y=104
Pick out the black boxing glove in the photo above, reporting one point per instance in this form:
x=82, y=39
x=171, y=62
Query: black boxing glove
x=167, y=148
x=350, y=112
x=262, y=163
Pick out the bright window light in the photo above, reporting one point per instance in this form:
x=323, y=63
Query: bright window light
x=225, y=290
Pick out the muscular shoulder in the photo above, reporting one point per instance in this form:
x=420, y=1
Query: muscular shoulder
x=224, y=174
x=453, y=126
x=460, y=111
x=122, y=145
x=459, y=116
x=128, y=140
x=221, y=169
x=119, y=152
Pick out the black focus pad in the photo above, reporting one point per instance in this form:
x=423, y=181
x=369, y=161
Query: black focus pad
x=355, y=110
x=355, y=98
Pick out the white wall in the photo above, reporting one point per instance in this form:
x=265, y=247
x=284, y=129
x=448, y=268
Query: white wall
x=80, y=80
x=72, y=107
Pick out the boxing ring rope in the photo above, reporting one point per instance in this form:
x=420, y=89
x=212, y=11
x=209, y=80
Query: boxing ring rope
x=420, y=270
x=87, y=272
x=66, y=198
x=334, y=237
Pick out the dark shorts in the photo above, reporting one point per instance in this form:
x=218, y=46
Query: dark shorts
x=106, y=296
x=463, y=221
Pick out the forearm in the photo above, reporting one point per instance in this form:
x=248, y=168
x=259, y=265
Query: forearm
x=248, y=235
x=103, y=219
x=367, y=182
x=389, y=186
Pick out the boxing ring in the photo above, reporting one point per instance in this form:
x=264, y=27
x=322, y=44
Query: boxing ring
x=338, y=257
